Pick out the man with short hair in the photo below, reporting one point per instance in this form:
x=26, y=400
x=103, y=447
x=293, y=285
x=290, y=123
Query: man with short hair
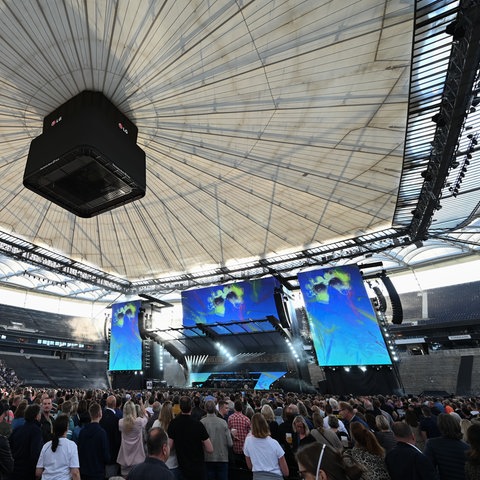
x=405, y=460
x=348, y=416
x=287, y=437
x=428, y=424
x=217, y=428
x=197, y=411
x=93, y=450
x=109, y=422
x=239, y=425
x=46, y=419
x=223, y=410
x=154, y=468
x=26, y=443
x=191, y=441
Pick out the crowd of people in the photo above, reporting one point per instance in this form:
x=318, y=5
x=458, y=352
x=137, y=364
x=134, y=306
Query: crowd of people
x=8, y=377
x=196, y=434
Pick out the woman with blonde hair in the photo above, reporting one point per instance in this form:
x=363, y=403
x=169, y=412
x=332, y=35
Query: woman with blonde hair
x=368, y=453
x=269, y=415
x=164, y=418
x=302, y=435
x=264, y=455
x=131, y=426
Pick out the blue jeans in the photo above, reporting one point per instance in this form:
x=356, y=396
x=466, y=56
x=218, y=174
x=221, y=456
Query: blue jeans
x=217, y=470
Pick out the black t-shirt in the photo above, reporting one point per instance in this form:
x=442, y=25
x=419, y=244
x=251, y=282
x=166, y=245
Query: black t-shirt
x=188, y=436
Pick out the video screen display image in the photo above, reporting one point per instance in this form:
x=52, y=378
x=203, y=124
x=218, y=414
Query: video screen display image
x=125, y=341
x=262, y=380
x=236, y=302
x=343, y=323
x=266, y=379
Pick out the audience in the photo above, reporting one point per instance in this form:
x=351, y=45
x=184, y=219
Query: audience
x=131, y=426
x=154, y=466
x=264, y=455
x=448, y=451
x=58, y=459
x=472, y=465
x=406, y=460
x=368, y=453
x=446, y=456
x=384, y=434
x=318, y=461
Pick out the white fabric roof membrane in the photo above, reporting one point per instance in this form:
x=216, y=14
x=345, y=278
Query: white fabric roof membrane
x=268, y=126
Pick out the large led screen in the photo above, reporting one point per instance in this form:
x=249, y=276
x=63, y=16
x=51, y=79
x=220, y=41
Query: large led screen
x=125, y=341
x=263, y=380
x=266, y=379
x=235, y=302
x=342, y=321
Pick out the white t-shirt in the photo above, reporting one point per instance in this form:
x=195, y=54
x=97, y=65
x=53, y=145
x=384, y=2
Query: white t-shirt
x=264, y=454
x=57, y=464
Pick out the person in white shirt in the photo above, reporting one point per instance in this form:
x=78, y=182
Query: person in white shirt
x=59, y=457
x=264, y=455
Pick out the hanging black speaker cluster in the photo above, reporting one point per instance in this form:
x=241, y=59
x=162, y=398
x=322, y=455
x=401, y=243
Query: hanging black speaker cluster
x=87, y=160
x=397, y=310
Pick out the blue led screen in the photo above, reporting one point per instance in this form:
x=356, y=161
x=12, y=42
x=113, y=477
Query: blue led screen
x=266, y=379
x=125, y=341
x=263, y=380
x=236, y=302
x=342, y=320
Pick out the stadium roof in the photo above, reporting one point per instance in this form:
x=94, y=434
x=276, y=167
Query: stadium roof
x=278, y=135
